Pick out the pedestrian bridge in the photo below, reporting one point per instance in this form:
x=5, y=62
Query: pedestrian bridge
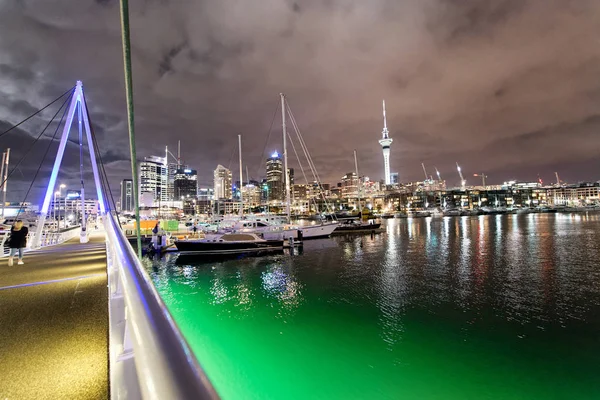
x=83, y=320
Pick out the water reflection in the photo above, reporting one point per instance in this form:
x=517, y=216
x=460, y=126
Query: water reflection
x=485, y=296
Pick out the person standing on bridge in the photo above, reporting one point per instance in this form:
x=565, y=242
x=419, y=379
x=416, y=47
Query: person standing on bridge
x=17, y=241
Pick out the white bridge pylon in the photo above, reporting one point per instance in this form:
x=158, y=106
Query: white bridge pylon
x=77, y=105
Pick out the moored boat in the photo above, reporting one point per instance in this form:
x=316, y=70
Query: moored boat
x=229, y=243
x=353, y=226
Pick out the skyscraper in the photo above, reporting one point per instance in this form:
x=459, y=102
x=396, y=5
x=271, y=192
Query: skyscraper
x=154, y=178
x=385, y=143
x=223, y=182
x=275, y=177
x=127, y=195
x=350, y=185
x=185, y=183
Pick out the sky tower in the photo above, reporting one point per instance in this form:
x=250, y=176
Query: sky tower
x=385, y=143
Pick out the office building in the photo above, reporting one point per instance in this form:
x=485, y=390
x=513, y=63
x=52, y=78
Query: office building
x=275, y=186
x=154, y=177
x=127, y=195
x=185, y=183
x=222, y=183
x=349, y=188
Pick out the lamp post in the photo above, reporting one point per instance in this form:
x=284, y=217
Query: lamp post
x=54, y=208
x=60, y=188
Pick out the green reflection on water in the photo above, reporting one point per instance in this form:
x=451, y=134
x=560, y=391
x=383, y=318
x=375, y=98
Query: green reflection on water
x=471, y=308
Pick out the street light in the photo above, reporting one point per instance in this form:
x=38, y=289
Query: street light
x=54, y=206
x=60, y=188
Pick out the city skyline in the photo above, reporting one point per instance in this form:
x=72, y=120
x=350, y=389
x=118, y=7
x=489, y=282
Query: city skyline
x=467, y=82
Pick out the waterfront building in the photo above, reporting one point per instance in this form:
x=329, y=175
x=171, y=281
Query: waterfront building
x=225, y=206
x=127, y=195
x=386, y=142
x=251, y=194
x=154, y=177
x=275, y=185
x=69, y=206
x=206, y=194
x=349, y=187
x=581, y=194
x=185, y=183
x=203, y=207
x=223, y=183
x=301, y=192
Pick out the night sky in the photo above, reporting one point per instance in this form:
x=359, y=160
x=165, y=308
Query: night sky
x=509, y=88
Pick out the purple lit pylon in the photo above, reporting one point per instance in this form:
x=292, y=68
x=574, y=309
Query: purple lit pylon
x=78, y=100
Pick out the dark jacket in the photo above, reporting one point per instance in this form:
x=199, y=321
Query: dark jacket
x=18, y=239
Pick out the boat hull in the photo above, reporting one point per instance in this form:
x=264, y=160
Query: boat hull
x=227, y=248
x=317, y=231
x=357, y=227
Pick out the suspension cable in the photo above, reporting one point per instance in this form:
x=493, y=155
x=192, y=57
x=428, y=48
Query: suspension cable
x=38, y=138
x=44, y=157
x=37, y=112
x=103, y=176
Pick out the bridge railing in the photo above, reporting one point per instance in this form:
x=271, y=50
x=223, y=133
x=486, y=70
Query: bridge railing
x=149, y=358
x=48, y=239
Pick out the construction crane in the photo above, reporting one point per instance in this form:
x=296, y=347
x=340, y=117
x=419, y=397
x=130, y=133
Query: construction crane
x=482, y=176
x=557, y=179
x=424, y=171
x=438, y=174
x=463, y=182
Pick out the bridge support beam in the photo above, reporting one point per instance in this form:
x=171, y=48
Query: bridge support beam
x=77, y=105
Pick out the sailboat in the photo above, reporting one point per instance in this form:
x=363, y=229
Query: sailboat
x=246, y=239
x=360, y=225
x=323, y=229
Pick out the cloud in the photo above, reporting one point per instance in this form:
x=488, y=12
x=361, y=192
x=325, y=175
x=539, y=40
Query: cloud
x=494, y=85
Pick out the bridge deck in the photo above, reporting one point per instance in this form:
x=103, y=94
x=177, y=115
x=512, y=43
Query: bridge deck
x=54, y=323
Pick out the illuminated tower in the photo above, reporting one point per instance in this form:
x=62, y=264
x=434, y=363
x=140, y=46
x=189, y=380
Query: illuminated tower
x=385, y=143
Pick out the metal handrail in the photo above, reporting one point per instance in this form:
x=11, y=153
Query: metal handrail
x=48, y=239
x=164, y=366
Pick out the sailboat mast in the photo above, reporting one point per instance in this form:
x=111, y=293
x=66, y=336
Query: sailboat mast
x=241, y=177
x=285, y=162
x=358, y=186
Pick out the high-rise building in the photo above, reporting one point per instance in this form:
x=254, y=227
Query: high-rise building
x=251, y=194
x=127, y=195
x=394, y=180
x=350, y=185
x=172, y=170
x=275, y=184
x=385, y=143
x=223, y=189
x=154, y=177
x=185, y=183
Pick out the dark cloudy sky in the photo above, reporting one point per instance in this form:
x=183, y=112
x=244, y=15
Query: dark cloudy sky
x=510, y=88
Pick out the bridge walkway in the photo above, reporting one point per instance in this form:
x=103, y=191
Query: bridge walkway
x=54, y=323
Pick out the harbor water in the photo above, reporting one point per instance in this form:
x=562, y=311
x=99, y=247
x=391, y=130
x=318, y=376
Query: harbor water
x=488, y=307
